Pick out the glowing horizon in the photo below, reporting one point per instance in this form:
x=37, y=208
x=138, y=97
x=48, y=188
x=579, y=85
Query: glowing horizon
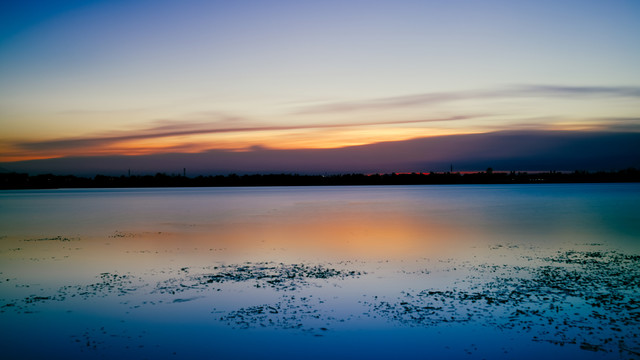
x=121, y=78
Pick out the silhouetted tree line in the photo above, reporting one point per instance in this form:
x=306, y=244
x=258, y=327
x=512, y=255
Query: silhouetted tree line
x=49, y=181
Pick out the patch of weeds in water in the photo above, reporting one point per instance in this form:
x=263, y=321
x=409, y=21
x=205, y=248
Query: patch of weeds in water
x=262, y=275
x=590, y=299
x=121, y=234
x=279, y=277
x=97, y=340
x=291, y=312
x=35, y=298
x=109, y=284
x=55, y=238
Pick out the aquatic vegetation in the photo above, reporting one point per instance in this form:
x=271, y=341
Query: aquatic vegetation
x=55, y=238
x=280, y=277
x=302, y=313
x=586, y=298
x=265, y=274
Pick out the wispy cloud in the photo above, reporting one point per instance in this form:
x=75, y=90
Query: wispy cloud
x=527, y=150
x=550, y=91
x=181, y=134
x=577, y=91
x=107, y=112
x=165, y=129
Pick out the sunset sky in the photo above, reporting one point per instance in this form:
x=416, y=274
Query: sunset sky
x=123, y=77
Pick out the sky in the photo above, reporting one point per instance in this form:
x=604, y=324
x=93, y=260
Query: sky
x=111, y=78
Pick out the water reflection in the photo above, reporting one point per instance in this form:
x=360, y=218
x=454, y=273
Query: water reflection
x=326, y=269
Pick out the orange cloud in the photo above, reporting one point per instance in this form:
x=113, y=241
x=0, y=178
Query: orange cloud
x=197, y=137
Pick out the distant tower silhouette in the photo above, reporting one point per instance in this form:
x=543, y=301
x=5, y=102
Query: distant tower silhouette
x=184, y=172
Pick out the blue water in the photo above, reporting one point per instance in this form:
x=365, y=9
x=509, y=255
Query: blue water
x=321, y=272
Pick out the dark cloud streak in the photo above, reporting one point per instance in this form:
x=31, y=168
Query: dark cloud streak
x=184, y=129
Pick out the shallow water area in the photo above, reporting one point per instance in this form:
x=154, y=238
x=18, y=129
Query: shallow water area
x=518, y=271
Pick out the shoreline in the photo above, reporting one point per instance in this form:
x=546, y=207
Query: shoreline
x=17, y=181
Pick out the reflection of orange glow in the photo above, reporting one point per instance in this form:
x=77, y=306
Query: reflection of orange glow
x=337, y=235
x=351, y=232
x=367, y=237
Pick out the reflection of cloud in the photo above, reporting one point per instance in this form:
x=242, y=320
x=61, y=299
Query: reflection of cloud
x=166, y=129
x=444, y=97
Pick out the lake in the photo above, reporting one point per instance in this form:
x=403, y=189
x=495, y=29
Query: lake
x=468, y=271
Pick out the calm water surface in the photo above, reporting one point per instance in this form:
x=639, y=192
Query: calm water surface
x=496, y=271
